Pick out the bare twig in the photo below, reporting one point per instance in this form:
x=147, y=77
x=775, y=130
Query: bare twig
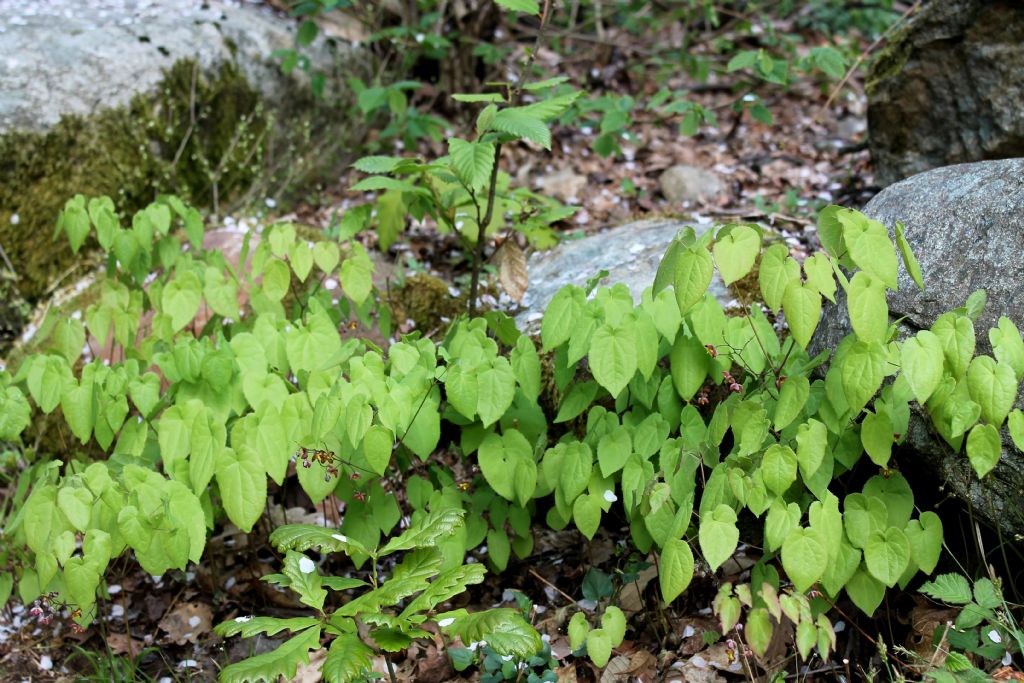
x=552, y=586
x=864, y=55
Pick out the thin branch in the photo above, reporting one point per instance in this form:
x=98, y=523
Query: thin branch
x=864, y=55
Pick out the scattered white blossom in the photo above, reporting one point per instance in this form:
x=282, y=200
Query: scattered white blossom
x=306, y=565
x=340, y=537
x=444, y=623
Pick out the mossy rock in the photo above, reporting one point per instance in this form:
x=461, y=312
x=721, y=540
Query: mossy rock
x=427, y=301
x=194, y=105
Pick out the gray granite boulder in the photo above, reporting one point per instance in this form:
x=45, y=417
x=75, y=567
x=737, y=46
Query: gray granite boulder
x=131, y=98
x=630, y=253
x=965, y=224
x=948, y=88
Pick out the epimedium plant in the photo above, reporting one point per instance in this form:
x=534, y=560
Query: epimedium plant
x=664, y=408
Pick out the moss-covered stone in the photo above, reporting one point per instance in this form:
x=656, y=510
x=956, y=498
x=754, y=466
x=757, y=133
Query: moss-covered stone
x=131, y=154
x=206, y=136
x=427, y=301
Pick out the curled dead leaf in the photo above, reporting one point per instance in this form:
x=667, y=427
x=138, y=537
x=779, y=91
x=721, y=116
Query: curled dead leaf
x=512, y=271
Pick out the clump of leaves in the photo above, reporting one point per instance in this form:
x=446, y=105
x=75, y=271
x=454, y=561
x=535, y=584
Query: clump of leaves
x=390, y=612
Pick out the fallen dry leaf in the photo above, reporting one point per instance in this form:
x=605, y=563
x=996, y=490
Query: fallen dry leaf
x=640, y=665
x=123, y=644
x=186, y=622
x=512, y=270
x=310, y=673
x=631, y=597
x=566, y=674
x=1007, y=673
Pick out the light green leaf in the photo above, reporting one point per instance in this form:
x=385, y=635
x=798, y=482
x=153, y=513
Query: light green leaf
x=886, y=555
x=499, y=457
x=871, y=249
x=586, y=513
x=718, y=535
x=909, y=260
x=1007, y=345
x=952, y=589
x=736, y=252
x=221, y=293
x=48, y=378
x=792, y=398
x=1016, y=427
x=804, y=557
x=925, y=537
x=526, y=367
x=689, y=363
x=76, y=504
x=496, y=391
x=15, y=413
x=613, y=621
x=613, y=357
x=504, y=630
x=376, y=164
x=820, y=275
x=778, y=468
x=326, y=256
x=921, y=359
x=357, y=273
x=391, y=213
x=841, y=569
x=862, y=372
x=576, y=400
x=865, y=590
x=778, y=270
x=802, y=306
x=694, y=269
x=561, y=316
x=862, y=516
x=779, y=522
x=378, y=443
x=983, y=448
x=471, y=161
x=276, y=279
x=613, y=450
x=599, y=647
x=525, y=6
x=68, y=338
x=181, y=298
x=522, y=124
x=578, y=630
x=675, y=569
x=758, y=630
x=993, y=386
x=956, y=334
x=876, y=434
x=300, y=256
x=869, y=312
x=242, y=481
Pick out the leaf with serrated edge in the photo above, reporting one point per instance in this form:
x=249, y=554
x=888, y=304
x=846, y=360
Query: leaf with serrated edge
x=280, y=662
